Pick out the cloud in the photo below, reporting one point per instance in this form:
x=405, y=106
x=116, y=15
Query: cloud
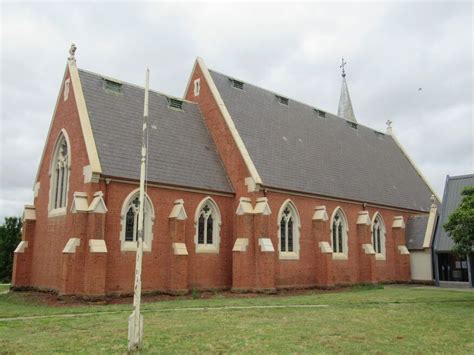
x=392, y=50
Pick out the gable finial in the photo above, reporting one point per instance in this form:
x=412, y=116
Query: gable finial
x=343, y=63
x=389, y=126
x=433, y=201
x=72, y=52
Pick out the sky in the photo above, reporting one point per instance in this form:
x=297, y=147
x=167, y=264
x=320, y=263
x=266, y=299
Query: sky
x=408, y=62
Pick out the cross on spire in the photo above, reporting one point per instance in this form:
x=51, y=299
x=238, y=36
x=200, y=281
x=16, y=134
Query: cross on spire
x=343, y=63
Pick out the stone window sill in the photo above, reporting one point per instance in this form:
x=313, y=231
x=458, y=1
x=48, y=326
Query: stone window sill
x=207, y=249
x=339, y=256
x=289, y=256
x=132, y=246
x=57, y=212
x=380, y=257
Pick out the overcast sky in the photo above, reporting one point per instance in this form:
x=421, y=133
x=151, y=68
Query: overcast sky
x=392, y=50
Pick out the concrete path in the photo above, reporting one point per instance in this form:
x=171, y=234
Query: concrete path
x=199, y=309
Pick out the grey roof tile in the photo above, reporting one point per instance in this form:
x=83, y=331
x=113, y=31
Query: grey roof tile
x=180, y=151
x=415, y=232
x=294, y=149
x=451, y=200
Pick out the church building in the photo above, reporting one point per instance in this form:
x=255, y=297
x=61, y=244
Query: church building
x=247, y=190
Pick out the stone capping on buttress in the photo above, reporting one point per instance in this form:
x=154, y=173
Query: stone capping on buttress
x=320, y=214
x=178, y=212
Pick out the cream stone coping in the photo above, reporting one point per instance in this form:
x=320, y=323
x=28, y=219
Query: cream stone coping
x=98, y=204
x=325, y=247
x=228, y=120
x=363, y=218
x=398, y=222
x=178, y=212
x=320, y=214
x=71, y=245
x=97, y=246
x=403, y=250
x=368, y=249
x=262, y=207
x=84, y=119
x=79, y=202
x=89, y=175
x=430, y=227
x=180, y=249
x=241, y=244
x=266, y=245
x=244, y=207
x=29, y=213
x=36, y=189
x=20, y=249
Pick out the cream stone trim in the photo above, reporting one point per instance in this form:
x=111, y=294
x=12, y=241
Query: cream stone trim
x=79, y=202
x=252, y=186
x=180, y=249
x=71, y=245
x=98, y=204
x=382, y=255
x=54, y=212
x=90, y=176
x=430, y=227
x=241, y=244
x=148, y=223
x=363, y=218
x=398, y=222
x=29, y=213
x=295, y=254
x=36, y=189
x=417, y=169
x=266, y=245
x=178, y=212
x=20, y=249
x=84, y=119
x=262, y=207
x=320, y=214
x=345, y=238
x=230, y=123
x=403, y=250
x=97, y=246
x=325, y=247
x=244, y=207
x=368, y=249
x=216, y=231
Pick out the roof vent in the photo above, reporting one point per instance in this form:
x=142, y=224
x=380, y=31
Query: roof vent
x=237, y=84
x=175, y=103
x=352, y=124
x=320, y=113
x=282, y=100
x=111, y=85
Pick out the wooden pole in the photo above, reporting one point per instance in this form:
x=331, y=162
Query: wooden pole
x=135, y=320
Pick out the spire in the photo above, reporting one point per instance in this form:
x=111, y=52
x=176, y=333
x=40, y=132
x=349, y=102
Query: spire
x=345, y=109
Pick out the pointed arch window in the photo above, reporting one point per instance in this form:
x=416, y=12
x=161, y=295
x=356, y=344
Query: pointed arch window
x=288, y=231
x=129, y=233
x=207, y=221
x=339, y=233
x=59, y=185
x=378, y=236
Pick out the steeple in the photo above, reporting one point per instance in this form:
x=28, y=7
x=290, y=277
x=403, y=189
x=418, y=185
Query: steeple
x=345, y=109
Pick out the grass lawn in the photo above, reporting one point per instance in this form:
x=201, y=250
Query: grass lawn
x=4, y=287
x=394, y=319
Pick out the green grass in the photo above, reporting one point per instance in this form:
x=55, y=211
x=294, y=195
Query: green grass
x=390, y=320
x=4, y=287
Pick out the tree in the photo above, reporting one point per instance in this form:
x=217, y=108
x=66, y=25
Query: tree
x=460, y=225
x=10, y=236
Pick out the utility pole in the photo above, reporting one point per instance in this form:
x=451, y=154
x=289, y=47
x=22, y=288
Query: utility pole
x=135, y=320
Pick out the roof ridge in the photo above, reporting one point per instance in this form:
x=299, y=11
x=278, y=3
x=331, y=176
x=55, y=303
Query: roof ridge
x=136, y=86
x=297, y=101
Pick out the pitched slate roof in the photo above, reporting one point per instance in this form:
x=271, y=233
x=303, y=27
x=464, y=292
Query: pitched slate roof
x=294, y=149
x=180, y=152
x=415, y=232
x=451, y=200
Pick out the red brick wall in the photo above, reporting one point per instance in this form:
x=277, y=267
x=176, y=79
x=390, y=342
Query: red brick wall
x=52, y=234
x=204, y=270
